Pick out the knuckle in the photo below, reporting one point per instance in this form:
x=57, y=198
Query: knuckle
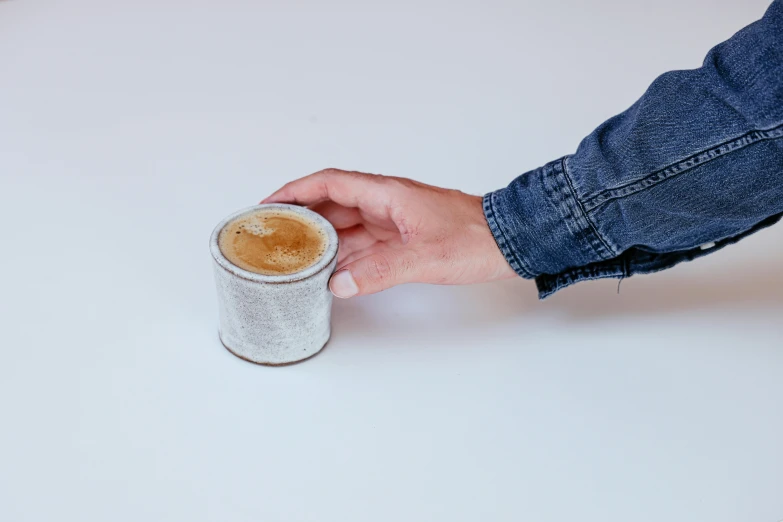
x=326, y=176
x=379, y=269
x=334, y=172
x=347, y=176
x=409, y=226
x=402, y=184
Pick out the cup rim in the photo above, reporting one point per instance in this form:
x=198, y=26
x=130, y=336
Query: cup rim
x=323, y=262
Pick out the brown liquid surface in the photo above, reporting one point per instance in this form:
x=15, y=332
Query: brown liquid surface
x=272, y=242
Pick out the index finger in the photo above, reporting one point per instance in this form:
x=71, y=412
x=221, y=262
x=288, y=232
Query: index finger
x=349, y=189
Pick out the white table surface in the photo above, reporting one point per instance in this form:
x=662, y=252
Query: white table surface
x=128, y=129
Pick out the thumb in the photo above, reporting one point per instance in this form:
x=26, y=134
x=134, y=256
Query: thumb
x=373, y=273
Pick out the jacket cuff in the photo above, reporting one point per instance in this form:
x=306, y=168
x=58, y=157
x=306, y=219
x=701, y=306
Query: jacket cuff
x=540, y=226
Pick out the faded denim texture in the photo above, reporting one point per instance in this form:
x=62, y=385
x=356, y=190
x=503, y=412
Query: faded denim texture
x=697, y=160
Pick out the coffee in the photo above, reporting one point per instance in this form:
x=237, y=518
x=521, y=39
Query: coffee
x=272, y=242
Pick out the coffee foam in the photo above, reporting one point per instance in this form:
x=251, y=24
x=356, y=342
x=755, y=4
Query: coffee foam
x=273, y=242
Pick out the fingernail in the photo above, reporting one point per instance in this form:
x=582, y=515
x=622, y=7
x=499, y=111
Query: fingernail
x=342, y=285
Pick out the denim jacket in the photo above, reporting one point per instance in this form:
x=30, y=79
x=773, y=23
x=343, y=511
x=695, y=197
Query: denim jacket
x=694, y=165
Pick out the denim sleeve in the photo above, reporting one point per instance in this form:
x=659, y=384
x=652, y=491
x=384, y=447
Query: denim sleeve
x=692, y=166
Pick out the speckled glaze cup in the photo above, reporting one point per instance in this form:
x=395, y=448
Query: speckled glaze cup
x=274, y=319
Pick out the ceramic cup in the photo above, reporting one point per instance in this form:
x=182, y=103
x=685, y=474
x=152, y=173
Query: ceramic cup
x=274, y=319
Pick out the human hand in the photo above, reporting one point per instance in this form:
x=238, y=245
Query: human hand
x=396, y=230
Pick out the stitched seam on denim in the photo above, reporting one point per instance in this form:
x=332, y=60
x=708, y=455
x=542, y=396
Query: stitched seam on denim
x=693, y=161
x=495, y=226
x=549, y=284
x=564, y=282
x=604, y=251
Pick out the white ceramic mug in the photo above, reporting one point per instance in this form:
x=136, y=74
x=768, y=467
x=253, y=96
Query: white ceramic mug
x=275, y=319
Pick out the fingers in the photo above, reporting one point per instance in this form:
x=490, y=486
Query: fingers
x=344, y=217
x=360, y=207
x=348, y=189
x=353, y=239
x=358, y=254
x=338, y=215
x=378, y=271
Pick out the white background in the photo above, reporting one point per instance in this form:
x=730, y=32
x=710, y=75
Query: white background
x=128, y=129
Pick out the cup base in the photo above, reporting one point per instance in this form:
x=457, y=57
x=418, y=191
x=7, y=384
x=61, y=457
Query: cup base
x=262, y=363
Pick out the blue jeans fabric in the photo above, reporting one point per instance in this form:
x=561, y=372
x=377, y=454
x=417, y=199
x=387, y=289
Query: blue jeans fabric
x=692, y=166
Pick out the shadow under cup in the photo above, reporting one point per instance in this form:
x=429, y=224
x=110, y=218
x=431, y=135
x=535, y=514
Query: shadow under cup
x=274, y=319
